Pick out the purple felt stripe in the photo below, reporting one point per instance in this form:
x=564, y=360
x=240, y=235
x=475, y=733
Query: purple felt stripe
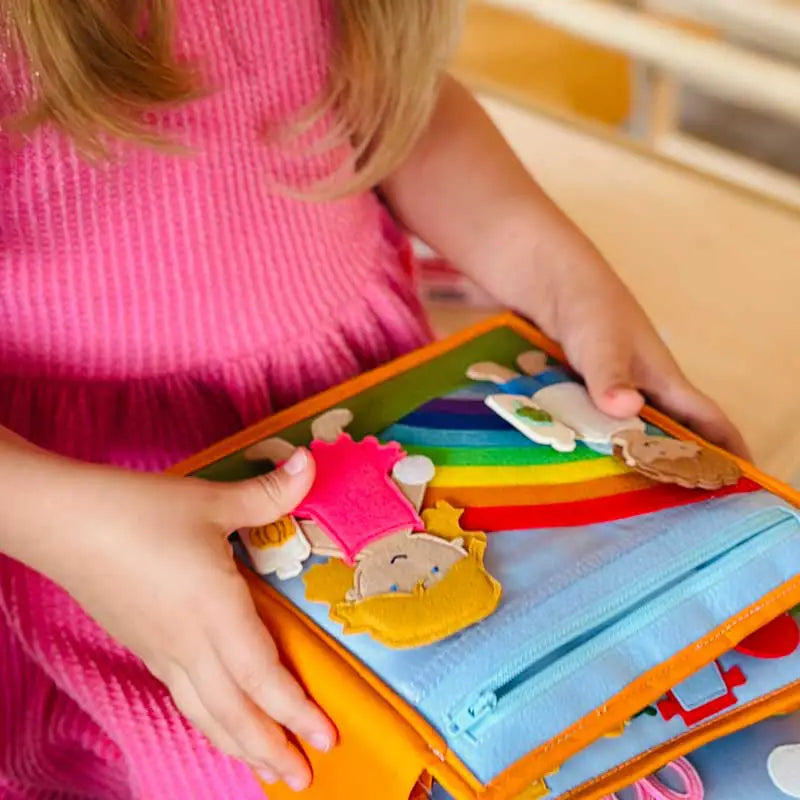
x=461, y=407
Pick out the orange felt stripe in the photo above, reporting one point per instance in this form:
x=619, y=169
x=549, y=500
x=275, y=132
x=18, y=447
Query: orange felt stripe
x=468, y=496
x=590, y=512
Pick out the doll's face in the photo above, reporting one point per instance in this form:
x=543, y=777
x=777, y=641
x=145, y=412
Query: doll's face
x=398, y=563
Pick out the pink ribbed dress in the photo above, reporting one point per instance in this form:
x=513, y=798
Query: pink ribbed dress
x=148, y=307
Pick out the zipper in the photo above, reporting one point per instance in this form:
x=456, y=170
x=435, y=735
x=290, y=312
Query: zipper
x=547, y=661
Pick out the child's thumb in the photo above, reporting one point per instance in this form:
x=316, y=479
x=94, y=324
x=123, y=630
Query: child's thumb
x=608, y=378
x=269, y=497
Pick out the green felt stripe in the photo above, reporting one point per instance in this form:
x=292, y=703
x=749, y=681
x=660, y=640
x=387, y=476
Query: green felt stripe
x=500, y=456
x=381, y=406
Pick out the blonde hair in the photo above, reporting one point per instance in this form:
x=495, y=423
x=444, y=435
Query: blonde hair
x=97, y=65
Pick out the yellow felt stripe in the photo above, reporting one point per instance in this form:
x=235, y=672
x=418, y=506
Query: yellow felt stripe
x=529, y=475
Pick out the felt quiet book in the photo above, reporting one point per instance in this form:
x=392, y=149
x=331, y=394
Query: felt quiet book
x=496, y=591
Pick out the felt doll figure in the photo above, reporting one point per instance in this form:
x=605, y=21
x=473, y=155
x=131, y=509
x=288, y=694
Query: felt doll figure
x=409, y=474
x=553, y=391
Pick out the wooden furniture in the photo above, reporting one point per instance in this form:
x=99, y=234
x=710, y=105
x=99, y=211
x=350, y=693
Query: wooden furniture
x=730, y=64
x=715, y=266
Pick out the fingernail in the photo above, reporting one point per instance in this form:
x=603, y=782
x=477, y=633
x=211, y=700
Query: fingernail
x=296, y=783
x=268, y=776
x=320, y=742
x=296, y=463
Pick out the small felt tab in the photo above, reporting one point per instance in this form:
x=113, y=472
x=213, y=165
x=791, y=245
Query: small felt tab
x=783, y=766
x=667, y=460
x=523, y=414
x=329, y=426
x=532, y=362
x=491, y=372
x=413, y=474
x=724, y=697
x=464, y=596
x=779, y=639
x=275, y=450
x=278, y=547
x=353, y=498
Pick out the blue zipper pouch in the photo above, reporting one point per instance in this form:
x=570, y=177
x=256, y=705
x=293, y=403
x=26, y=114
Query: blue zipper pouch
x=636, y=621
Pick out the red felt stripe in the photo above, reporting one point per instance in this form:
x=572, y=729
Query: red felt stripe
x=588, y=512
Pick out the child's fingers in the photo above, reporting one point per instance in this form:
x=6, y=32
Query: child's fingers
x=271, y=496
x=685, y=403
x=258, y=672
x=261, y=740
x=191, y=706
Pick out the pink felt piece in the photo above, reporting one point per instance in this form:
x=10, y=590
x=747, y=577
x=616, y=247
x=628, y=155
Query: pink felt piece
x=354, y=499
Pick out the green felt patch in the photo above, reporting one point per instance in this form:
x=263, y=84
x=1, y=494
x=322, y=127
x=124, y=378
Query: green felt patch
x=384, y=404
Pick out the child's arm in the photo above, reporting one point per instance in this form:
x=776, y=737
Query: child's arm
x=148, y=557
x=464, y=192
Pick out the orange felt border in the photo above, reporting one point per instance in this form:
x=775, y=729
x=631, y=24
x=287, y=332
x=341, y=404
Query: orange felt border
x=316, y=657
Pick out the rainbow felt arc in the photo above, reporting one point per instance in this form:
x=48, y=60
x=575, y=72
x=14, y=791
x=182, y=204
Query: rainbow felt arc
x=506, y=482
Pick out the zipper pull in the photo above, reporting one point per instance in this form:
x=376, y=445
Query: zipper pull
x=470, y=716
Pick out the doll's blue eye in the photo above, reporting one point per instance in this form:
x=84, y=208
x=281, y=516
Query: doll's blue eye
x=435, y=570
x=394, y=588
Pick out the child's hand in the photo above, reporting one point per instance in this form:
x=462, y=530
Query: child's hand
x=169, y=590
x=608, y=338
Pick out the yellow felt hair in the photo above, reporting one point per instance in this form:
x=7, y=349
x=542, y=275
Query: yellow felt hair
x=466, y=595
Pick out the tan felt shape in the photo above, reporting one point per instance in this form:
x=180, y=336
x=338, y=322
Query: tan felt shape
x=666, y=460
x=491, y=372
x=329, y=426
x=532, y=362
x=275, y=450
x=321, y=544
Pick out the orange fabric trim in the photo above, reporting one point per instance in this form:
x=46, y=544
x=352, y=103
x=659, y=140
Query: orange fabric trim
x=544, y=494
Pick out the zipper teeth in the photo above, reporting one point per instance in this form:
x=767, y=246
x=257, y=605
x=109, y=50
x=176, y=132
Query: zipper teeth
x=703, y=579
x=573, y=794
x=532, y=684
x=595, y=618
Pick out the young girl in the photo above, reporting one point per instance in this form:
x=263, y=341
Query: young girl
x=164, y=280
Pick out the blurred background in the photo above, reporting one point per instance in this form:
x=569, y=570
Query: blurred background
x=670, y=131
